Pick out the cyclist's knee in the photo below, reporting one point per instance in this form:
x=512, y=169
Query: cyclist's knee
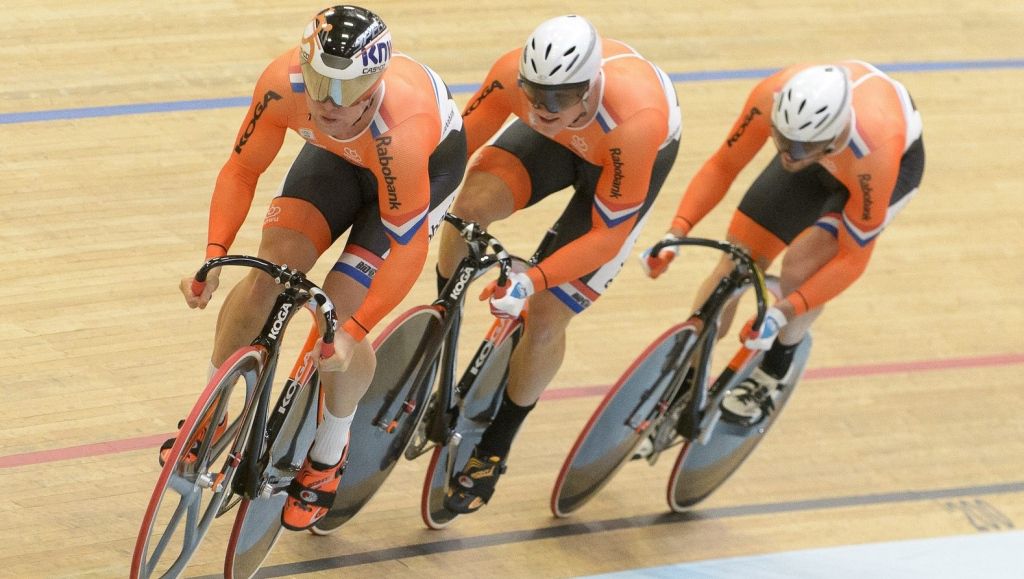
x=285, y=246
x=805, y=257
x=548, y=319
x=484, y=198
x=258, y=288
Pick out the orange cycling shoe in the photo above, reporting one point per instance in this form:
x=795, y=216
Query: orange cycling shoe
x=192, y=454
x=311, y=493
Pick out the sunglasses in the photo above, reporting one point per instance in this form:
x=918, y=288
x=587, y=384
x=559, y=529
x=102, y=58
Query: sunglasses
x=799, y=150
x=554, y=98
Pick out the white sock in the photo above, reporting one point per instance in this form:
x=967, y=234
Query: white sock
x=331, y=438
x=210, y=372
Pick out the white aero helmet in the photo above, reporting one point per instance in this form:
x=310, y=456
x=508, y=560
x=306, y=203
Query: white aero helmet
x=812, y=110
x=560, y=60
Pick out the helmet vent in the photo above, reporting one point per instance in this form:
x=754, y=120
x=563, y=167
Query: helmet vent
x=547, y=53
x=569, y=67
x=822, y=121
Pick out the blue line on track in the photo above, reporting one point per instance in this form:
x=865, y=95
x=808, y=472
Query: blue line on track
x=679, y=77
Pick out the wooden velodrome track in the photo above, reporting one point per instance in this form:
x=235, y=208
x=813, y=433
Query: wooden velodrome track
x=908, y=424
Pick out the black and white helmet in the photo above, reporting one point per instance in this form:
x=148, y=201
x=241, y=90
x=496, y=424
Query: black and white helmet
x=562, y=51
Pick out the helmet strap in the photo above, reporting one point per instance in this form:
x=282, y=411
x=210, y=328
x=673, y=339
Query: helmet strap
x=586, y=98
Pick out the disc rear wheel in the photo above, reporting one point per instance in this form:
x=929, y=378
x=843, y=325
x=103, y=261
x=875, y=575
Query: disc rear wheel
x=621, y=421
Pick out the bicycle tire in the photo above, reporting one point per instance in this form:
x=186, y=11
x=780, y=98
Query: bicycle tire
x=700, y=469
x=373, y=452
x=258, y=525
x=191, y=479
x=606, y=442
x=478, y=410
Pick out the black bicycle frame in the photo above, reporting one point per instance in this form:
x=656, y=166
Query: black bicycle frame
x=297, y=293
x=451, y=301
x=706, y=320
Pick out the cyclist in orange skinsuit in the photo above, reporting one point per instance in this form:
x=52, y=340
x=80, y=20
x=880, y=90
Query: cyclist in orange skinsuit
x=851, y=156
x=384, y=154
x=587, y=113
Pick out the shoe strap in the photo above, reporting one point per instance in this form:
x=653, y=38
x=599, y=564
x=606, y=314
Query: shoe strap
x=310, y=496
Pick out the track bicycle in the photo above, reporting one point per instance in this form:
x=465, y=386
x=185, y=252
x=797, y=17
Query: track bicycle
x=234, y=448
x=667, y=399
x=403, y=414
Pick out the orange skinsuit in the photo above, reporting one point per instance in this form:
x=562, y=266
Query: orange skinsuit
x=413, y=117
x=884, y=125
x=633, y=121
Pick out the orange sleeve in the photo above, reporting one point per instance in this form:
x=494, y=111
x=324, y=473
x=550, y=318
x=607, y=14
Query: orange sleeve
x=403, y=193
x=256, y=144
x=871, y=185
x=746, y=137
x=632, y=148
x=491, y=105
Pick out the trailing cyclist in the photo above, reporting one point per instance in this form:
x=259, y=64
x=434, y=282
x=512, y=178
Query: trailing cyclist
x=850, y=156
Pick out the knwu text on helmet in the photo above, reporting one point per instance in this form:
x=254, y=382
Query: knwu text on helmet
x=376, y=56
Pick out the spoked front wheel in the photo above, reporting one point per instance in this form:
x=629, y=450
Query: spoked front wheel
x=620, y=422
x=193, y=488
x=388, y=413
x=478, y=410
x=258, y=522
x=702, y=467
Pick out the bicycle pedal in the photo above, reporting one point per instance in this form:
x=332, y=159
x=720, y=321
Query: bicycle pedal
x=645, y=450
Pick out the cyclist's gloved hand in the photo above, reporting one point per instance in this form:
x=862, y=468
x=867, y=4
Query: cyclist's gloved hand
x=774, y=320
x=507, y=301
x=655, y=265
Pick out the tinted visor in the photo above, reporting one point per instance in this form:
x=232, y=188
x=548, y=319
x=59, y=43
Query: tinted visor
x=554, y=98
x=798, y=150
x=344, y=93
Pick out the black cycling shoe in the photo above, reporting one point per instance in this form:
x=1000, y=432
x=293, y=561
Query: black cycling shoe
x=473, y=487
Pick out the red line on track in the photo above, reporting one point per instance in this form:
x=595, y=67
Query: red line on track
x=154, y=440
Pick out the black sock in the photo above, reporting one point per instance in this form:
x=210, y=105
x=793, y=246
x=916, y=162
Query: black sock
x=497, y=439
x=441, y=280
x=776, y=362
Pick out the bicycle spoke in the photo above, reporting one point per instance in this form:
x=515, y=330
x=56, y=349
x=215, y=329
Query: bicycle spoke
x=188, y=505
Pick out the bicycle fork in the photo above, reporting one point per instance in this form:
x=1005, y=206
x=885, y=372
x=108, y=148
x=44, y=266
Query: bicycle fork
x=500, y=330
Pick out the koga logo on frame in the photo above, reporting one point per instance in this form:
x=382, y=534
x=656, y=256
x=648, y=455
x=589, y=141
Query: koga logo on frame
x=461, y=284
x=282, y=316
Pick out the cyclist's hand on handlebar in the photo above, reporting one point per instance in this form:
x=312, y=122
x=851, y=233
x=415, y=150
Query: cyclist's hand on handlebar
x=344, y=351
x=203, y=298
x=655, y=265
x=507, y=301
x=774, y=320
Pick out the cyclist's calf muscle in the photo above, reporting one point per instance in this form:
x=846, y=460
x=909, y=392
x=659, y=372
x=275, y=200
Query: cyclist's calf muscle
x=539, y=354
